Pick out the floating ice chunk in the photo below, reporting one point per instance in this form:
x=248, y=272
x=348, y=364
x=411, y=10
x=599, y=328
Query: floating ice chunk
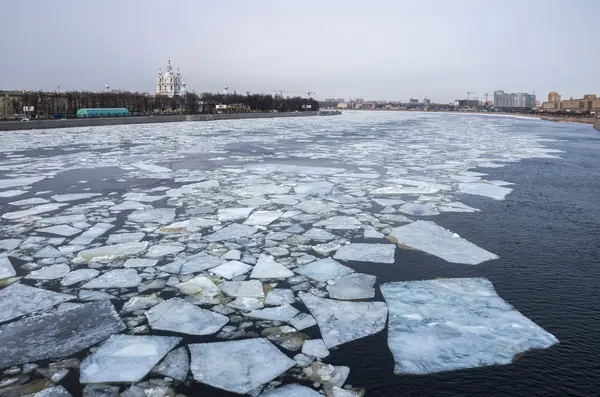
x=231, y=269
x=40, y=209
x=352, y=286
x=250, y=289
x=425, y=209
x=465, y=178
x=18, y=182
x=12, y=193
x=125, y=358
x=254, y=202
x=401, y=189
x=232, y=255
x=370, y=233
x=9, y=244
x=18, y=299
x=178, y=315
x=199, y=286
x=261, y=190
x=156, y=251
x=315, y=348
x=60, y=230
x=484, y=189
x=176, y=365
x=61, y=219
x=129, y=205
x=152, y=168
x=246, y=304
x=56, y=391
x=78, y=276
x=294, y=169
x=238, y=366
x=118, y=278
x=435, y=240
x=231, y=232
x=340, y=223
x=317, y=234
x=314, y=207
x=139, y=262
x=292, y=390
x=91, y=234
x=279, y=296
x=361, y=252
x=500, y=183
x=456, y=207
x=324, y=270
x=192, y=264
x=29, y=201
x=87, y=295
x=266, y=267
x=142, y=197
x=280, y=313
x=262, y=218
x=359, y=175
x=392, y=218
x=188, y=226
x=49, y=272
x=233, y=214
x=303, y=321
x=447, y=324
x=157, y=215
x=6, y=268
x=110, y=253
x=326, y=374
x=62, y=198
x=48, y=252
x=314, y=188
x=58, y=333
x=342, y=322
x=141, y=302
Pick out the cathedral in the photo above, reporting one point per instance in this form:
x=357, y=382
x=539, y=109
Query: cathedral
x=170, y=84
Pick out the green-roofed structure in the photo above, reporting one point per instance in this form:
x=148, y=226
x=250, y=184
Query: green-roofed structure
x=102, y=112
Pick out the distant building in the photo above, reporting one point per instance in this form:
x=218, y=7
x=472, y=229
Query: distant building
x=413, y=100
x=588, y=104
x=427, y=102
x=170, y=84
x=468, y=103
x=342, y=105
x=513, y=100
x=553, y=97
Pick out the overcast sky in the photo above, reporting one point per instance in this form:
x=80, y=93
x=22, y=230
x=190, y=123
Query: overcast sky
x=375, y=49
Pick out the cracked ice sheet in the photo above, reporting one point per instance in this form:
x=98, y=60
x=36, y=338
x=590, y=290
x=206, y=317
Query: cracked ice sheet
x=449, y=324
x=361, y=252
x=262, y=218
x=19, y=182
x=238, y=366
x=6, y=268
x=40, y=209
x=435, y=240
x=485, y=189
x=341, y=322
x=178, y=315
x=59, y=333
x=125, y=358
x=19, y=299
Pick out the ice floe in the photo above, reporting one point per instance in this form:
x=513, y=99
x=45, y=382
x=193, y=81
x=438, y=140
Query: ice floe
x=192, y=264
x=233, y=214
x=362, y=252
x=231, y=269
x=232, y=232
x=91, y=234
x=118, y=278
x=199, y=286
x=6, y=268
x=40, y=209
x=62, y=198
x=110, y=253
x=178, y=315
x=484, y=189
x=448, y=324
x=60, y=230
x=283, y=313
x=20, y=182
x=324, y=270
x=18, y=299
x=238, y=366
x=352, y=286
x=279, y=296
x=176, y=365
x=51, y=272
x=267, y=267
x=248, y=289
x=340, y=223
x=433, y=239
x=262, y=218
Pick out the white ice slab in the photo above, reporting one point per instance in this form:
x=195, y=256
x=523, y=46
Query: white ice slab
x=231, y=269
x=152, y=168
x=18, y=182
x=266, y=267
x=317, y=234
x=324, y=270
x=279, y=296
x=341, y=322
x=63, y=198
x=12, y=193
x=19, y=299
x=448, y=324
x=315, y=207
x=39, y=209
x=29, y=201
x=60, y=230
x=6, y=268
x=283, y=313
x=250, y=289
x=292, y=390
x=51, y=272
x=352, y=286
x=232, y=232
x=425, y=209
x=140, y=262
x=303, y=321
x=159, y=250
x=314, y=188
x=192, y=264
x=48, y=252
x=60, y=219
x=156, y=215
x=340, y=223
x=233, y=214
x=110, y=253
x=315, y=348
x=118, y=278
x=262, y=218
x=9, y=244
x=485, y=189
x=433, y=239
x=199, y=286
x=238, y=366
x=176, y=365
x=128, y=206
x=260, y=190
x=246, y=304
x=125, y=358
x=178, y=315
x=362, y=252
x=91, y=234
x=55, y=391
x=78, y=276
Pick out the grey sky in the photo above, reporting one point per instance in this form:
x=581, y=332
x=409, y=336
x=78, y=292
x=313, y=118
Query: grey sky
x=375, y=49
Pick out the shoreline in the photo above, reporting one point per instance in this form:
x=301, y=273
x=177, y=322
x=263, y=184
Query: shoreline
x=95, y=122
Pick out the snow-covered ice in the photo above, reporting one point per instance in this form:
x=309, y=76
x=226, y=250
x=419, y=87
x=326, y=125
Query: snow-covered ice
x=110, y=253
x=352, y=286
x=125, y=358
x=232, y=232
x=178, y=315
x=62, y=198
x=279, y=296
x=29, y=201
x=20, y=182
x=6, y=268
x=448, y=324
x=159, y=250
x=362, y=252
x=315, y=348
x=433, y=239
x=267, y=267
x=91, y=234
x=262, y=218
x=340, y=223
x=233, y=214
x=283, y=313
x=249, y=289
x=192, y=264
x=18, y=299
x=140, y=262
x=341, y=322
x=199, y=286
x=324, y=270
x=238, y=366
x=60, y=230
x=51, y=272
x=117, y=278
x=40, y=209
x=317, y=234
x=484, y=189
x=231, y=269
x=176, y=365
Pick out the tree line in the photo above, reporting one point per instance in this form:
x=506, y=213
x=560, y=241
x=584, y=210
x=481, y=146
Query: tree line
x=48, y=104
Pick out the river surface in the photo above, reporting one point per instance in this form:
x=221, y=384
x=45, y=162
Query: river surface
x=546, y=231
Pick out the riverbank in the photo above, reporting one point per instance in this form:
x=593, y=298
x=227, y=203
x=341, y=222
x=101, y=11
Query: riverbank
x=597, y=125
x=51, y=124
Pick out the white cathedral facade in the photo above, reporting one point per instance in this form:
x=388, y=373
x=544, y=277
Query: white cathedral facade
x=169, y=83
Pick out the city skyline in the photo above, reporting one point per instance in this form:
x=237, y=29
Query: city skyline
x=387, y=51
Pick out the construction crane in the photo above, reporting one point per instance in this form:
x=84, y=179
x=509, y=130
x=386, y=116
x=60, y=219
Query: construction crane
x=469, y=98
